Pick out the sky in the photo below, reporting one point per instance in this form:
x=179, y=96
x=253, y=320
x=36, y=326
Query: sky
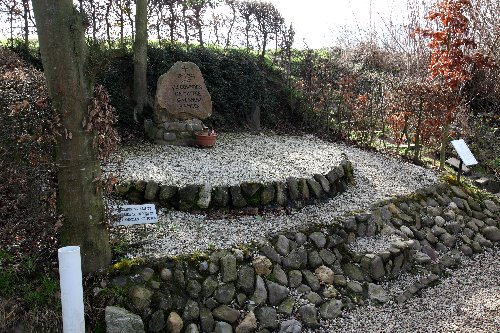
x=321, y=22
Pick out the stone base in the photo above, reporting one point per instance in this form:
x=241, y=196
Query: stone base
x=175, y=133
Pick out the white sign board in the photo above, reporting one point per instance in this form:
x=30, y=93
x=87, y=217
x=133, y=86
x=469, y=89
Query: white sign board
x=136, y=214
x=464, y=152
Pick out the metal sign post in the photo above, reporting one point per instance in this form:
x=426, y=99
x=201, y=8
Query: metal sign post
x=466, y=156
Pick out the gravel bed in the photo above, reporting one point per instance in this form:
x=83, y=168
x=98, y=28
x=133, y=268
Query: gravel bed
x=236, y=158
x=375, y=244
x=377, y=177
x=467, y=301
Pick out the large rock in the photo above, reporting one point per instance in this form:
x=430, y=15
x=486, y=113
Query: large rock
x=181, y=94
x=119, y=320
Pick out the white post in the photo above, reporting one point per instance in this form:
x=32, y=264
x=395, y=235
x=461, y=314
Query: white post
x=70, y=272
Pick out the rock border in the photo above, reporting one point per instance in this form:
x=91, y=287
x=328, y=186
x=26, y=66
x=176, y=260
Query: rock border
x=297, y=279
x=294, y=192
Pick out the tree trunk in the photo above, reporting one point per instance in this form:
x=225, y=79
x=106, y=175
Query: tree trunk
x=444, y=143
x=79, y=197
x=140, y=58
x=26, y=12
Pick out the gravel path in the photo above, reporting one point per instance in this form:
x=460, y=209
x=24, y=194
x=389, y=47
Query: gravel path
x=377, y=178
x=467, y=301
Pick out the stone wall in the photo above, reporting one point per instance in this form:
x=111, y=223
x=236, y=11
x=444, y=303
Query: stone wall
x=298, y=279
x=295, y=192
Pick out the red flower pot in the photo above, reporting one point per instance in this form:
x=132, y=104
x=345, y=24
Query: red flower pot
x=205, y=140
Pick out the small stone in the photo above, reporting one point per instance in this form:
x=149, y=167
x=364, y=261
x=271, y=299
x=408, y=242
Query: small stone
x=247, y=325
x=262, y=265
x=313, y=298
x=151, y=191
x=225, y=313
x=246, y=279
x=330, y=292
x=222, y=327
x=294, y=278
x=440, y=221
x=311, y=279
x=318, y=239
x=205, y=196
x=286, y=307
x=260, y=294
x=296, y=259
x=421, y=258
x=331, y=309
x=191, y=311
x=290, y=326
x=313, y=259
x=277, y=293
x=327, y=256
x=339, y=280
x=228, y=267
x=192, y=328
x=268, y=317
x=324, y=274
x=303, y=289
x=280, y=275
x=355, y=287
x=209, y=286
x=466, y=250
x=309, y=316
x=377, y=293
x=207, y=321
x=174, y=323
x=491, y=206
x=119, y=320
x=193, y=288
x=271, y=253
x=283, y=245
x=491, y=233
x=140, y=297
x=224, y=293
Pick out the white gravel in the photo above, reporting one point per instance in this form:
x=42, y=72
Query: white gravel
x=375, y=244
x=236, y=158
x=467, y=301
x=377, y=177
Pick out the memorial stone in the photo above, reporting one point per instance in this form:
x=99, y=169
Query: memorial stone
x=182, y=101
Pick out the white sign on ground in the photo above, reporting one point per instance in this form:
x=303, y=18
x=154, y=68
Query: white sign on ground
x=136, y=214
x=464, y=152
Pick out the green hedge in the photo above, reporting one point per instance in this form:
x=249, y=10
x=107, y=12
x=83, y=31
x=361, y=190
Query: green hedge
x=234, y=78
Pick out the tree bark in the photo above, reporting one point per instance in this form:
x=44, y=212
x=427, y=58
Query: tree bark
x=79, y=197
x=140, y=58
